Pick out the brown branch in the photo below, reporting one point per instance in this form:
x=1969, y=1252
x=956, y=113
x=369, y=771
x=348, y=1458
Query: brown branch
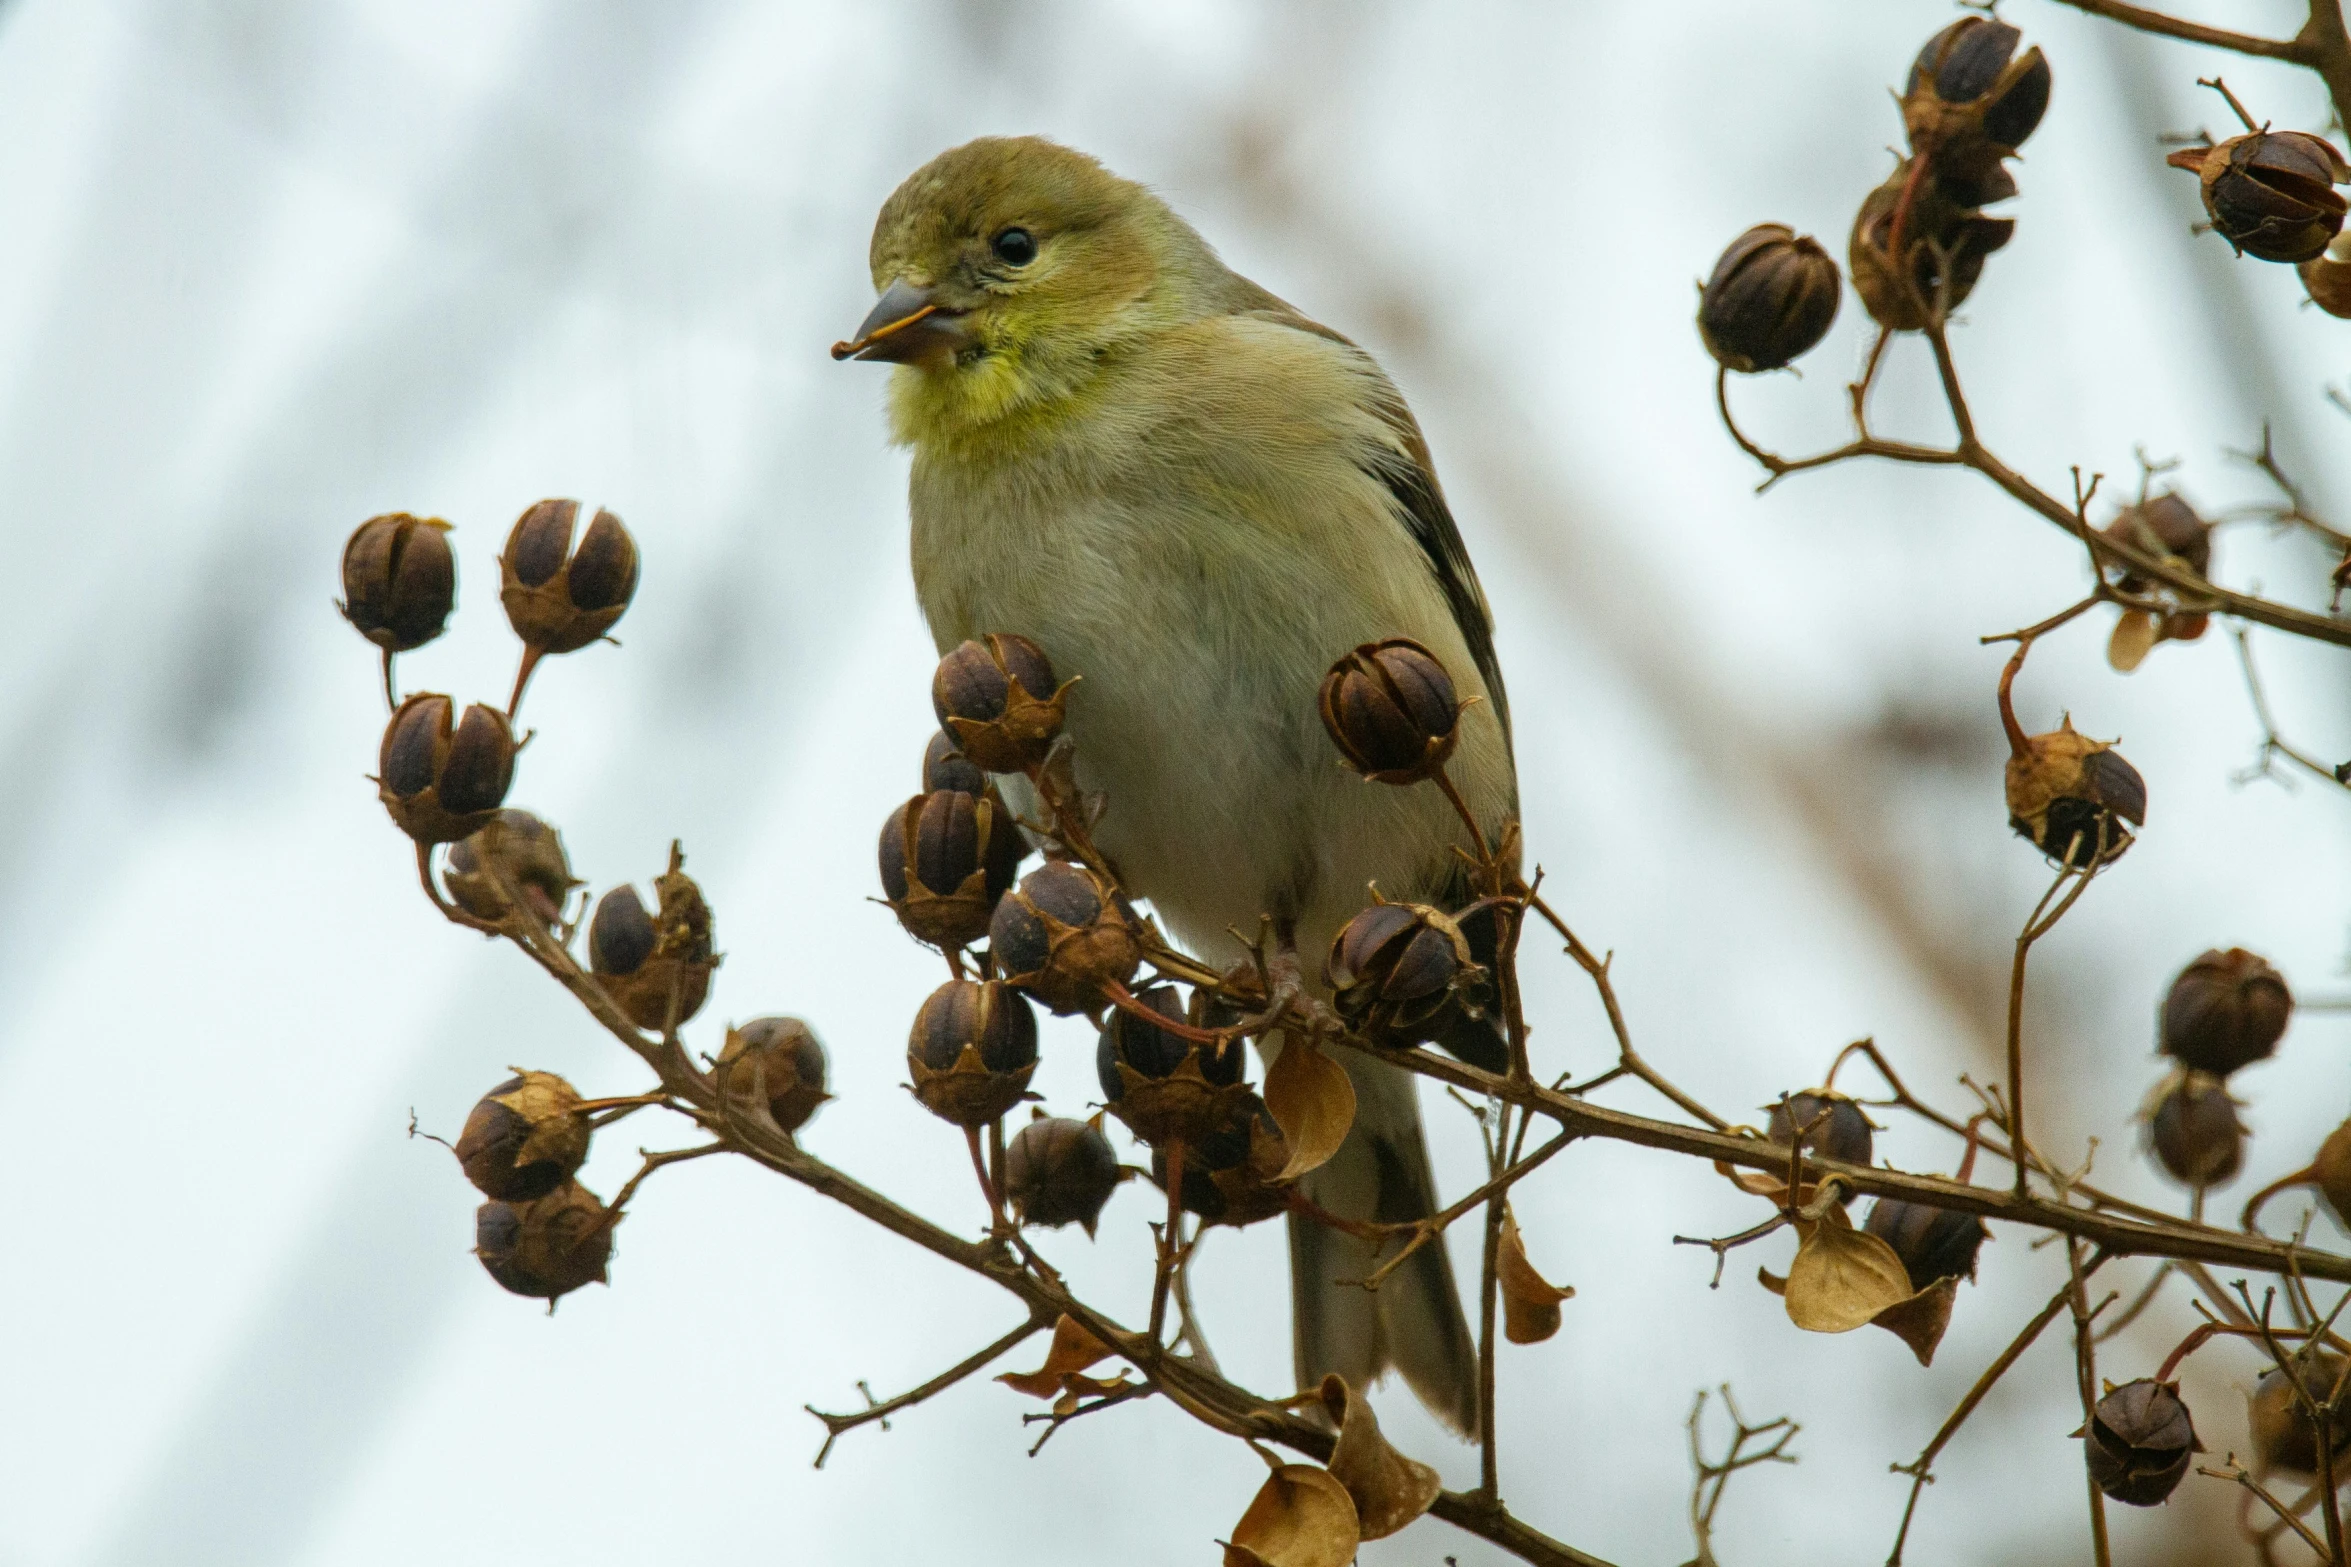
x=1704, y=1503
x=835, y=1425
x=1422, y=1231
x=2274, y=745
x=2085, y=1359
x=2292, y=50
x=2237, y=1472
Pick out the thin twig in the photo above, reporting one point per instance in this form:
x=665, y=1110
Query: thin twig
x=835, y=1425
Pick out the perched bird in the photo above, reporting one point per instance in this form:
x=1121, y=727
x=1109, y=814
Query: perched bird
x=1195, y=498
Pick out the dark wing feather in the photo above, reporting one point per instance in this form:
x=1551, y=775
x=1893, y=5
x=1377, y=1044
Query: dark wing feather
x=1411, y=477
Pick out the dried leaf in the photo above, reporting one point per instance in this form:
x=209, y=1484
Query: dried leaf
x=1920, y=1320
x=2134, y=635
x=1842, y=1277
x=1300, y=1517
x=1530, y=1303
x=1073, y=1351
x=1312, y=1100
x=1757, y=1183
x=1388, y=1489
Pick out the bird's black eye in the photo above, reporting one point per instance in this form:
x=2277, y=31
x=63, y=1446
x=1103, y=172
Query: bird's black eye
x=1015, y=247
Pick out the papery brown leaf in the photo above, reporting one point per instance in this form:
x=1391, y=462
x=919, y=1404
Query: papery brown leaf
x=1920, y=1320
x=1842, y=1277
x=1388, y=1489
x=1530, y=1303
x=2134, y=635
x=1757, y=1183
x=1300, y=1517
x=1312, y=1100
x=1073, y=1350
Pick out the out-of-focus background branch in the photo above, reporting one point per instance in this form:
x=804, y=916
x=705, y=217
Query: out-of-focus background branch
x=270, y=267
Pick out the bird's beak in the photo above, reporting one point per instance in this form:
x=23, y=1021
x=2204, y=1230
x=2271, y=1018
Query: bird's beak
x=906, y=325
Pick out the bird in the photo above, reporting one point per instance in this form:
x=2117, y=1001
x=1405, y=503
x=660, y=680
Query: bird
x=1194, y=497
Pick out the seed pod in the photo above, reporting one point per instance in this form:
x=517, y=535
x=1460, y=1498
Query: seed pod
x=2074, y=798
x=1936, y=228
x=399, y=580
x=2193, y=1130
x=643, y=958
x=1229, y=1177
x=944, y=767
x=996, y=698
x=2162, y=525
x=2327, y=276
x=776, y=1062
x=1058, y=1171
x=1838, y=1128
x=2226, y=1010
x=1390, y=709
x=557, y=599
x=946, y=857
x=441, y=784
x=527, y=852
x=1771, y=298
x=2271, y=194
x=1164, y=1086
x=1402, y=974
x=972, y=1050
x=548, y=1247
x=2285, y=1434
x=1968, y=84
x=1064, y=933
x=2140, y=1441
x=2330, y=1172
x=1933, y=1243
x=524, y=1138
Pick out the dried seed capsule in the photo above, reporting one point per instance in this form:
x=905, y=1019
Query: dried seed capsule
x=2285, y=1435
x=2140, y=1441
x=972, y=1050
x=524, y=1138
x=650, y=962
x=442, y=784
x=527, y=852
x=1229, y=1176
x=2224, y=1011
x=2162, y=525
x=548, y=1247
x=1771, y=298
x=1937, y=231
x=1064, y=933
x=2074, y=798
x=2271, y=194
x=776, y=1062
x=1162, y=1085
x=2330, y=1172
x=1403, y=974
x=1837, y=1127
x=946, y=857
x=559, y=599
x=944, y=767
x=1059, y=1171
x=996, y=697
x=399, y=580
x=1967, y=82
x=2193, y=1129
x=1933, y=1243
x=1390, y=708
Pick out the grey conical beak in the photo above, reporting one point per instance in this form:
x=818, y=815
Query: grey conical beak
x=905, y=325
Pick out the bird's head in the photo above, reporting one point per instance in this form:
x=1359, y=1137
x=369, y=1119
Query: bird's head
x=1010, y=269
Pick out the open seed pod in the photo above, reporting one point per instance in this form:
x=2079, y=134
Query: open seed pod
x=1390, y=709
x=559, y=599
x=548, y=1247
x=1772, y=297
x=2285, y=1436
x=526, y=1137
x=1833, y=1125
x=2140, y=1441
x=972, y=1051
x=2073, y=797
x=1162, y=1085
x=648, y=962
x=1062, y=934
x=996, y=698
x=399, y=580
x=946, y=857
x=527, y=852
x=1232, y=1177
x=2271, y=194
x=776, y=1062
x=1946, y=245
x=1933, y=1243
x=1403, y=974
x=442, y=781
x=1060, y=1171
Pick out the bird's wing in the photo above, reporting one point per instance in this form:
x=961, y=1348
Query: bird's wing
x=1411, y=477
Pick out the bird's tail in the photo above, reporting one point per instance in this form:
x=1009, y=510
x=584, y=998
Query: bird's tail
x=1413, y=1322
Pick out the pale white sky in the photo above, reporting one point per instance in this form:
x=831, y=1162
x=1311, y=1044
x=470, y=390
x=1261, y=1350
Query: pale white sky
x=268, y=267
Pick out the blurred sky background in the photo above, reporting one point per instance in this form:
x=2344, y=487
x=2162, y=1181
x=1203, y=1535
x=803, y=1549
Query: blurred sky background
x=270, y=266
